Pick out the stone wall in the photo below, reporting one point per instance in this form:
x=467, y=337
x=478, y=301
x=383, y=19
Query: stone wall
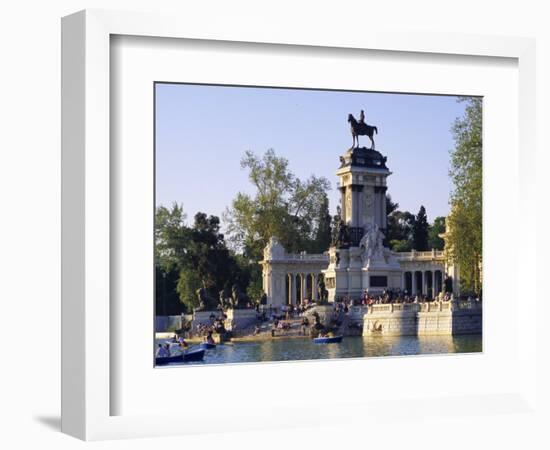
x=167, y=323
x=241, y=321
x=422, y=319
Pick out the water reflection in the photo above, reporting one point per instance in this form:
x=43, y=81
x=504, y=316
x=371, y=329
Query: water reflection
x=351, y=347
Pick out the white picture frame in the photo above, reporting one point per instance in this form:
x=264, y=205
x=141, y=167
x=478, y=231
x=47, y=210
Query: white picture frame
x=87, y=384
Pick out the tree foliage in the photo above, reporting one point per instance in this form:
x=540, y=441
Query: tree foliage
x=323, y=233
x=171, y=236
x=283, y=205
x=406, y=232
x=434, y=230
x=188, y=258
x=399, y=227
x=420, y=230
x=464, y=224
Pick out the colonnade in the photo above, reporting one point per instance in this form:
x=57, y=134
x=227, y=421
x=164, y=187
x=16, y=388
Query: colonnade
x=299, y=280
x=423, y=282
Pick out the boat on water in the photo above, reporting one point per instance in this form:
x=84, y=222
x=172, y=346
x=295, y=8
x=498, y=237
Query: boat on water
x=328, y=340
x=192, y=355
x=207, y=345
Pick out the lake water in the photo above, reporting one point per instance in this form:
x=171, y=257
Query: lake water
x=351, y=347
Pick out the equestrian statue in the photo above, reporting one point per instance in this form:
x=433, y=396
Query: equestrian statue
x=360, y=128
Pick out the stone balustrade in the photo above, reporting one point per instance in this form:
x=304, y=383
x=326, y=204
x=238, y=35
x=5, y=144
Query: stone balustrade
x=306, y=257
x=426, y=318
x=430, y=254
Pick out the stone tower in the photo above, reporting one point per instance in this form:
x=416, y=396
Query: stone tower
x=359, y=262
x=362, y=184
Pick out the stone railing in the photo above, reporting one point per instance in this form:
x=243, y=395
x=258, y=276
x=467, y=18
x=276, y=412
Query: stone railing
x=422, y=307
x=435, y=306
x=392, y=307
x=467, y=304
x=412, y=255
x=306, y=257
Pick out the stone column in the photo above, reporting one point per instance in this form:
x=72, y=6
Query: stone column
x=384, y=217
x=289, y=288
x=314, y=287
x=424, y=283
x=292, y=288
x=343, y=203
x=377, y=207
x=303, y=291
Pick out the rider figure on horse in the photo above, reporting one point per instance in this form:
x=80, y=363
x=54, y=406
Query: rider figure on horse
x=362, y=117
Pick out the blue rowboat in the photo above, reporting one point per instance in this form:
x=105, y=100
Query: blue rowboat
x=328, y=340
x=207, y=345
x=192, y=355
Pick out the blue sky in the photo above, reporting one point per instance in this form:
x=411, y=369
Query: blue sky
x=203, y=131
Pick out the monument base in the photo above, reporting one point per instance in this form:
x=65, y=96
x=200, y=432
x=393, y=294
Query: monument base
x=350, y=275
x=326, y=314
x=240, y=321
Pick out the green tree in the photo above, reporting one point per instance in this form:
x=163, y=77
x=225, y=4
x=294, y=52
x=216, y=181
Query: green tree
x=401, y=245
x=282, y=206
x=207, y=255
x=399, y=227
x=171, y=236
x=167, y=300
x=188, y=258
x=391, y=206
x=434, y=230
x=420, y=230
x=187, y=284
x=464, y=223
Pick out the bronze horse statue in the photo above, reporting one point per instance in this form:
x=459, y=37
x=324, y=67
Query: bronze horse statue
x=361, y=129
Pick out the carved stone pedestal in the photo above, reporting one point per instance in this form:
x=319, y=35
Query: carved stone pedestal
x=240, y=321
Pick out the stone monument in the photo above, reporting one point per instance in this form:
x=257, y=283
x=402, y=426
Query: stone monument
x=358, y=259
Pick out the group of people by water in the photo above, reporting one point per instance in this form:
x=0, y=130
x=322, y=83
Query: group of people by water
x=176, y=345
x=281, y=320
x=394, y=296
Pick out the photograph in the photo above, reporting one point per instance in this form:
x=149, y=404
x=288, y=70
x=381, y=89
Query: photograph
x=297, y=224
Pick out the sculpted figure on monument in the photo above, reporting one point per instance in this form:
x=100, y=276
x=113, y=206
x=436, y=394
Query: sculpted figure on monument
x=273, y=249
x=240, y=299
x=372, y=243
x=224, y=301
x=360, y=128
x=321, y=290
x=343, y=235
x=206, y=303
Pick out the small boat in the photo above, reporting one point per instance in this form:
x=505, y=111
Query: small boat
x=328, y=340
x=192, y=355
x=207, y=345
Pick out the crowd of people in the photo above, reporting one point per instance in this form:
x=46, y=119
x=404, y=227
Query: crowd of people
x=279, y=319
x=390, y=296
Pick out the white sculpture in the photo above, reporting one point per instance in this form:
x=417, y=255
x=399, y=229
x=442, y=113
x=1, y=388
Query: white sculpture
x=274, y=249
x=372, y=243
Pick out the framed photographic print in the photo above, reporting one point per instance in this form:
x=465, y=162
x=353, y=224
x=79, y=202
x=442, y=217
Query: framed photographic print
x=260, y=218
x=274, y=265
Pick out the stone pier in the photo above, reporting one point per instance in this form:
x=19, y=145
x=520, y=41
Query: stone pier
x=423, y=319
